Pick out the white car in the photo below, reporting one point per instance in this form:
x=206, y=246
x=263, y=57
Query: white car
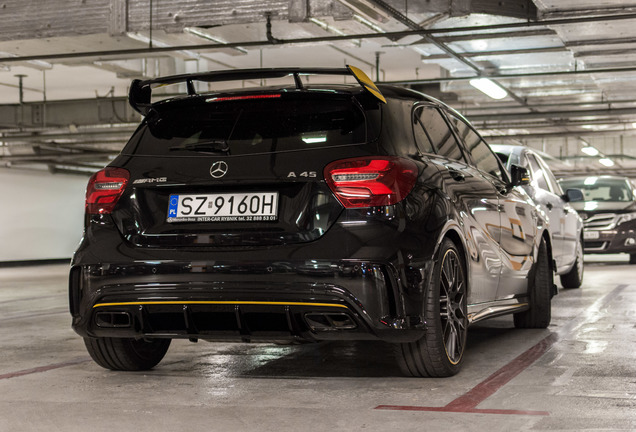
x=566, y=226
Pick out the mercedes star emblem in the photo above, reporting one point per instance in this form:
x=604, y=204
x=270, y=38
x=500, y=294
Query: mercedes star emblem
x=218, y=169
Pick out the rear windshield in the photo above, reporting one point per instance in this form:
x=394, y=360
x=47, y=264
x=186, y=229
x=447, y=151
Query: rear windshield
x=250, y=126
x=600, y=189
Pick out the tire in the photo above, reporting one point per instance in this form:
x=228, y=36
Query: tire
x=439, y=353
x=574, y=278
x=632, y=258
x=127, y=354
x=540, y=293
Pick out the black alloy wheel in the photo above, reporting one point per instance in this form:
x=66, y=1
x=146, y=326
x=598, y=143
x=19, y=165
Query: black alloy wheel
x=440, y=352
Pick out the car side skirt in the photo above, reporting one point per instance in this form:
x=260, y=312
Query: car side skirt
x=483, y=311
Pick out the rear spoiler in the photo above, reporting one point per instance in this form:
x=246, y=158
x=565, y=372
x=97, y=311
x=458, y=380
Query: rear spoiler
x=140, y=92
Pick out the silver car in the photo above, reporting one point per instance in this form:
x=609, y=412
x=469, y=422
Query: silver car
x=566, y=225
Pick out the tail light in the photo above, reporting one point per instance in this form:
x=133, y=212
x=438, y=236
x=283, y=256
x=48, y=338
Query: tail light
x=104, y=189
x=371, y=181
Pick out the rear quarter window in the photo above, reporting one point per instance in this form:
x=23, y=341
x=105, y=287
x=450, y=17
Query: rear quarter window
x=438, y=133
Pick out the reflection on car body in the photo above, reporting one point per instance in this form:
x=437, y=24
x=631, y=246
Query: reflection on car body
x=565, y=225
x=410, y=230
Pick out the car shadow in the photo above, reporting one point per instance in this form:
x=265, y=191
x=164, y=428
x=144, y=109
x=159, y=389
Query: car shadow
x=367, y=359
x=353, y=359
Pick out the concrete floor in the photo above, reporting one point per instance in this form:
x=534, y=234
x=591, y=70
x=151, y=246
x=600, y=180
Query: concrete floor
x=580, y=374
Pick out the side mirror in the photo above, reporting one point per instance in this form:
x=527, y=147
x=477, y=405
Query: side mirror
x=572, y=195
x=519, y=175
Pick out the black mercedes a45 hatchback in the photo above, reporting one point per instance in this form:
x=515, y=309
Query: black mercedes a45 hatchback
x=304, y=212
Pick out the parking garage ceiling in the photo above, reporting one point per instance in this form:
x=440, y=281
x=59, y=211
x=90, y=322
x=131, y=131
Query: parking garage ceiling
x=567, y=66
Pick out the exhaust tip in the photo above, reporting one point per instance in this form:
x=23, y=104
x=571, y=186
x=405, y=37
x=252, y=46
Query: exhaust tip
x=330, y=321
x=113, y=319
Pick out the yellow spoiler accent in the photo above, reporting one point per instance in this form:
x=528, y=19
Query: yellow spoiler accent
x=194, y=302
x=366, y=82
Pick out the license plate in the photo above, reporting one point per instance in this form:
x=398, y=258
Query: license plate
x=224, y=207
x=590, y=235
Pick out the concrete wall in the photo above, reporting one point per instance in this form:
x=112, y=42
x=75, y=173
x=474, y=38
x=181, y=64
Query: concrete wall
x=41, y=215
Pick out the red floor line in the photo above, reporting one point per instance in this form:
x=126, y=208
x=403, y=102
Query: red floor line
x=43, y=368
x=468, y=402
x=464, y=411
x=494, y=382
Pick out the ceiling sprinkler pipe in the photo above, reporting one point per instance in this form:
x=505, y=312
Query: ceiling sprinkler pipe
x=474, y=29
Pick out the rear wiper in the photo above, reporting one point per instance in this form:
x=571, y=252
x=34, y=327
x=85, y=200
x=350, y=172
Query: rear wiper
x=213, y=146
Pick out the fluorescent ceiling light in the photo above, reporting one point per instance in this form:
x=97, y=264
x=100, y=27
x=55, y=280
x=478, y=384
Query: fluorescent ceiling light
x=34, y=64
x=590, y=151
x=489, y=88
x=367, y=9
x=606, y=161
x=366, y=22
x=595, y=127
x=420, y=51
x=327, y=27
x=145, y=39
x=202, y=34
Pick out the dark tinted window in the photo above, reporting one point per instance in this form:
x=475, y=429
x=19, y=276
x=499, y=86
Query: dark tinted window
x=397, y=131
x=250, y=126
x=421, y=137
x=481, y=154
x=443, y=140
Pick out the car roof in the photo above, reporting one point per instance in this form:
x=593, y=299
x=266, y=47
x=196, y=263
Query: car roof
x=520, y=149
x=615, y=177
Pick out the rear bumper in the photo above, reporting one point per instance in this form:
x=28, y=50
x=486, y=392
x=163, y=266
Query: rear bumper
x=309, y=300
x=618, y=240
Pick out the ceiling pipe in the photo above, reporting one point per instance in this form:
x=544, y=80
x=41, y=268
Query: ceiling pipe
x=57, y=156
x=390, y=35
x=590, y=11
x=516, y=75
x=485, y=36
x=124, y=131
x=399, y=16
x=553, y=114
x=501, y=52
x=453, y=54
x=597, y=124
x=538, y=135
x=485, y=107
x=612, y=41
